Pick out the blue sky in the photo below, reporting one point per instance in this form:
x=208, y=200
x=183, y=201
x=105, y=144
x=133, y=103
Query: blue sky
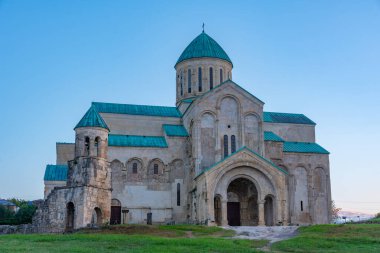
x=320, y=58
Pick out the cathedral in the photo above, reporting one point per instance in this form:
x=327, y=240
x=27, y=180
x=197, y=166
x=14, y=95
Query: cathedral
x=215, y=158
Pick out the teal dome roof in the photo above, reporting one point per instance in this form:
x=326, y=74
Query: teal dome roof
x=203, y=46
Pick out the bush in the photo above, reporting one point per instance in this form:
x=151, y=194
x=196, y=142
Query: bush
x=377, y=215
x=23, y=216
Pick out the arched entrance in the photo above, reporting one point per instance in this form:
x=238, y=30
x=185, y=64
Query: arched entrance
x=242, y=208
x=97, y=217
x=268, y=211
x=115, y=212
x=70, y=216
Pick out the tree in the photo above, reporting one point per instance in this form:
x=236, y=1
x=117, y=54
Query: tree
x=334, y=211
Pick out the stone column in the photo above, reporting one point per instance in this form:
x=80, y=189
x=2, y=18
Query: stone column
x=261, y=213
x=224, y=212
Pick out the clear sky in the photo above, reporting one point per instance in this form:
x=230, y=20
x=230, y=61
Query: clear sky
x=320, y=58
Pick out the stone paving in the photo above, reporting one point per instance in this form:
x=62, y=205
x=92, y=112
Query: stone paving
x=273, y=234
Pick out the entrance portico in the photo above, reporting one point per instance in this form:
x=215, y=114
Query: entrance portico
x=244, y=189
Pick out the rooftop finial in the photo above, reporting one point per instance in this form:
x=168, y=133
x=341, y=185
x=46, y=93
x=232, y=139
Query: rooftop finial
x=203, y=27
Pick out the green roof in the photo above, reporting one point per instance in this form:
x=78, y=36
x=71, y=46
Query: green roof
x=280, y=117
x=175, y=130
x=270, y=136
x=56, y=172
x=304, y=147
x=146, y=110
x=92, y=119
x=137, y=141
x=203, y=46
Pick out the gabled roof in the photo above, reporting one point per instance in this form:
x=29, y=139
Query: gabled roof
x=175, y=130
x=224, y=83
x=251, y=151
x=146, y=110
x=137, y=141
x=270, y=136
x=92, y=119
x=56, y=172
x=280, y=117
x=304, y=147
x=203, y=46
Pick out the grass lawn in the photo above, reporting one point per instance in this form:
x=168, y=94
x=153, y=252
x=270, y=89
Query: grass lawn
x=355, y=238
x=347, y=238
x=179, y=238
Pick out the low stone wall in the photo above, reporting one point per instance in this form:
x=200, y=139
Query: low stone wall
x=16, y=229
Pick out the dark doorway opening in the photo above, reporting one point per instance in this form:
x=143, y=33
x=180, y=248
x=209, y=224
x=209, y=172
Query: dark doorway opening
x=115, y=212
x=233, y=213
x=70, y=216
x=242, y=206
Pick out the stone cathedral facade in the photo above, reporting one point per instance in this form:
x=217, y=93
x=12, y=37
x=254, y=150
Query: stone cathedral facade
x=215, y=158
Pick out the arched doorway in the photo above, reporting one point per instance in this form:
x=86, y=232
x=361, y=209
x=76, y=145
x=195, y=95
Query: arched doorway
x=242, y=209
x=115, y=212
x=268, y=211
x=70, y=211
x=97, y=217
x=218, y=210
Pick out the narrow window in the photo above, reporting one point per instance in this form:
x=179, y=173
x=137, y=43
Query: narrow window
x=221, y=75
x=301, y=206
x=199, y=79
x=233, y=144
x=189, y=80
x=225, y=144
x=87, y=146
x=178, y=194
x=181, y=83
x=211, y=79
x=155, y=169
x=97, y=146
x=134, y=168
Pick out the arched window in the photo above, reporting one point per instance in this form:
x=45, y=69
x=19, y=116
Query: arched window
x=97, y=146
x=178, y=194
x=155, y=169
x=221, y=75
x=211, y=79
x=87, y=146
x=199, y=79
x=233, y=144
x=181, y=83
x=189, y=80
x=225, y=144
x=134, y=168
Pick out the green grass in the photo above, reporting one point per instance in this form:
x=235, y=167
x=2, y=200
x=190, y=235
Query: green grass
x=356, y=238
x=137, y=239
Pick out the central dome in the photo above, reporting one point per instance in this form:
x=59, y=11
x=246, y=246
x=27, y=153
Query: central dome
x=203, y=46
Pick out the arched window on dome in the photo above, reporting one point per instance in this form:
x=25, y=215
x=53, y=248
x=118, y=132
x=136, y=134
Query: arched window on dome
x=181, y=83
x=211, y=79
x=225, y=145
x=199, y=79
x=221, y=75
x=189, y=80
